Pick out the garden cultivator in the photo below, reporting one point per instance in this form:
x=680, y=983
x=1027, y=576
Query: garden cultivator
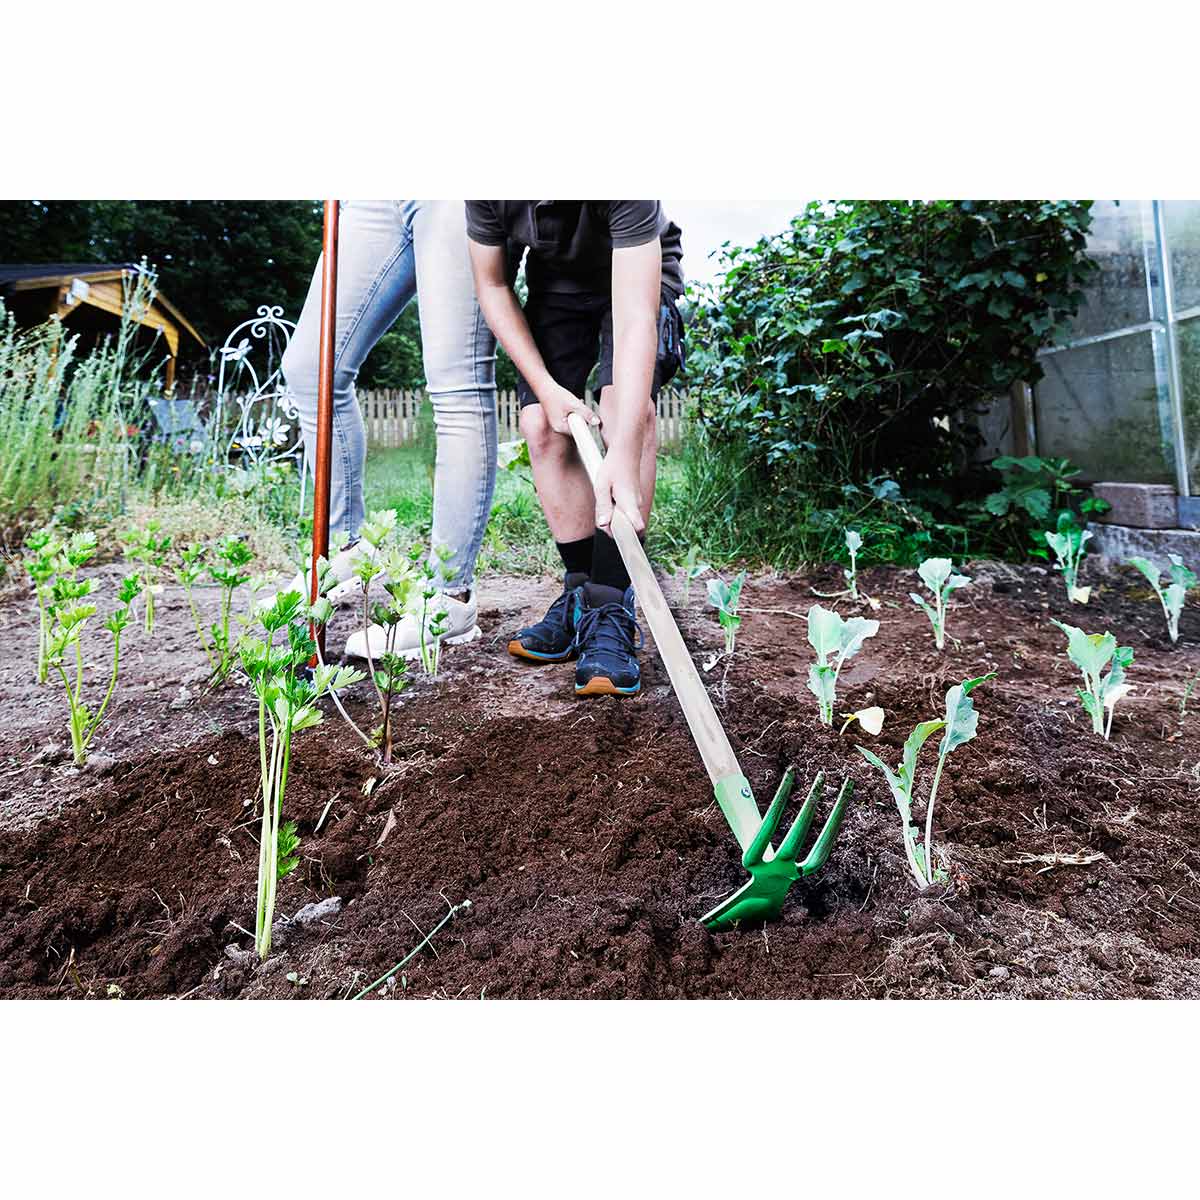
x=772, y=871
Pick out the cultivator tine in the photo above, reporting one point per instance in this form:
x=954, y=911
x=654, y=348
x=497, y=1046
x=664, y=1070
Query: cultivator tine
x=794, y=839
x=756, y=851
x=819, y=854
x=772, y=875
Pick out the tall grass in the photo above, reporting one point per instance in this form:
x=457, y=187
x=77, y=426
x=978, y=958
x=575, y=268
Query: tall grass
x=65, y=417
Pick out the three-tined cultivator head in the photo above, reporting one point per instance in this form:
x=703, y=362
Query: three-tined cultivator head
x=772, y=872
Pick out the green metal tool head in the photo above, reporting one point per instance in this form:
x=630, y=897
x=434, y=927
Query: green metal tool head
x=772, y=873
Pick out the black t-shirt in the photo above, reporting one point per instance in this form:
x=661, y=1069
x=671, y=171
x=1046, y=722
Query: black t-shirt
x=571, y=241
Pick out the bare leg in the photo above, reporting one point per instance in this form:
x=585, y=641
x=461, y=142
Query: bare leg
x=649, y=466
x=559, y=476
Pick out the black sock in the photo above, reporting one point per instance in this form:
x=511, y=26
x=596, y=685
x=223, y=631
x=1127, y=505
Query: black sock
x=607, y=567
x=577, y=556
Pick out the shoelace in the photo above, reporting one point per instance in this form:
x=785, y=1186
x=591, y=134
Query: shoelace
x=609, y=627
x=557, y=609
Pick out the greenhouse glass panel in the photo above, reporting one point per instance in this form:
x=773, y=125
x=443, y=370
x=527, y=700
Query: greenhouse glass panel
x=1182, y=222
x=1102, y=407
x=1118, y=295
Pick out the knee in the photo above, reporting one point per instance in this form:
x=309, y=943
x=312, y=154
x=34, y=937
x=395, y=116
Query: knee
x=535, y=429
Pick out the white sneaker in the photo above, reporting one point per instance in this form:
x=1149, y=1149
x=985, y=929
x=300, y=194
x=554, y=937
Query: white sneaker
x=349, y=586
x=460, y=628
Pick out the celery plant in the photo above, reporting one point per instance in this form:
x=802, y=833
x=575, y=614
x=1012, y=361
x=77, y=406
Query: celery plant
x=1068, y=542
x=1091, y=653
x=1176, y=591
x=431, y=626
x=287, y=704
x=390, y=674
x=233, y=556
x=69, y=615
x=43, y=551
x=834, y=640
x=191, y=567
x=725, y=598
x=960, y=724
x=150, y=550
x=51, y=560
x=938, y=576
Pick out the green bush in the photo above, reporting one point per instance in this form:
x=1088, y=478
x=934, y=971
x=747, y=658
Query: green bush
x=850, y=346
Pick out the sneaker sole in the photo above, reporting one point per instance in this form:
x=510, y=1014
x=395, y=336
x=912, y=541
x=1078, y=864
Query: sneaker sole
x=601, y=685
x=519, y=651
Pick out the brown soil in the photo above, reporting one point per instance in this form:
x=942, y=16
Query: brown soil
x=584, y=832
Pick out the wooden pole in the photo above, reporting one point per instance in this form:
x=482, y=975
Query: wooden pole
x=322, y=465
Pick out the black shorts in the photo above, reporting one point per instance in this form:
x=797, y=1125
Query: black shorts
x=574, y=332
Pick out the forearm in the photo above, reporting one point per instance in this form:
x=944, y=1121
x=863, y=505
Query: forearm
x=506, y=320
x=635, y=344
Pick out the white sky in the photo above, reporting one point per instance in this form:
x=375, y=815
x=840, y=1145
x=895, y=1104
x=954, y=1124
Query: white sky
x=742, y=222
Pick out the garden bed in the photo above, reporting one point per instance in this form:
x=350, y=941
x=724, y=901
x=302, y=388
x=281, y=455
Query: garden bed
x=584, y=832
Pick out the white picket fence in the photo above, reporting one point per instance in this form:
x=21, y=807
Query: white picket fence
x=392, y=417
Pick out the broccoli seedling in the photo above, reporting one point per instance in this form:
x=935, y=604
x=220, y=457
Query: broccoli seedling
x=960, y=724
x=69, y=613
x=287, y=704
x=145, y=547
x=1068, y=542
x=1172, y=597
x=725, y=598
x=854, y=544
x=938, y=576
x=835, y=640
x=1091, y=653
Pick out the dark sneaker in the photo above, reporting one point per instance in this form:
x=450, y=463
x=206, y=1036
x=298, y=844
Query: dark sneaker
x=552, y=639
x=609, y=638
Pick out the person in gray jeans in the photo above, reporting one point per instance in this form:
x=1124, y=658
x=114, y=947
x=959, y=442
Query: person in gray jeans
x=388, y=252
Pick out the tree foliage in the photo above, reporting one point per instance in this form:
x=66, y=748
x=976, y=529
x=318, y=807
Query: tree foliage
x=847, y=347
x=217, y=260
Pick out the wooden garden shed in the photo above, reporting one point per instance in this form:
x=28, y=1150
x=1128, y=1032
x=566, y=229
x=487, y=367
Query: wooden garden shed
x=90, y=297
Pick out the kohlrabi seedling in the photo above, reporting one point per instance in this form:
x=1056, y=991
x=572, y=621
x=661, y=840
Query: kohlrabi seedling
x=287, y=704
x=835, y=640
x=69, y=614
x=938, y=576
x=693, y=568
x=960, y=723
x=1068, y=542
x=145, y=547
x=1173, y=596
x=853, y=546
x=725, y=598
x=1091, y=653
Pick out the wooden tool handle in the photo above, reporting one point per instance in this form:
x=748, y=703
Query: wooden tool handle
x=710, y=738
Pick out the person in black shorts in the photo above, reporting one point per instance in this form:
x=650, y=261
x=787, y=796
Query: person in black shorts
x=604, y=277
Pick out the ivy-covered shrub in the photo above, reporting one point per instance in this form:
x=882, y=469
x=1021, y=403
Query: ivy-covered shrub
x=846, y=348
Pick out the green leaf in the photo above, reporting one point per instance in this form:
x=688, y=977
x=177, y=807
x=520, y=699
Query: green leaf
x=961, y=717
x=1090, y=652
x=934, y=572
x=912, y=747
